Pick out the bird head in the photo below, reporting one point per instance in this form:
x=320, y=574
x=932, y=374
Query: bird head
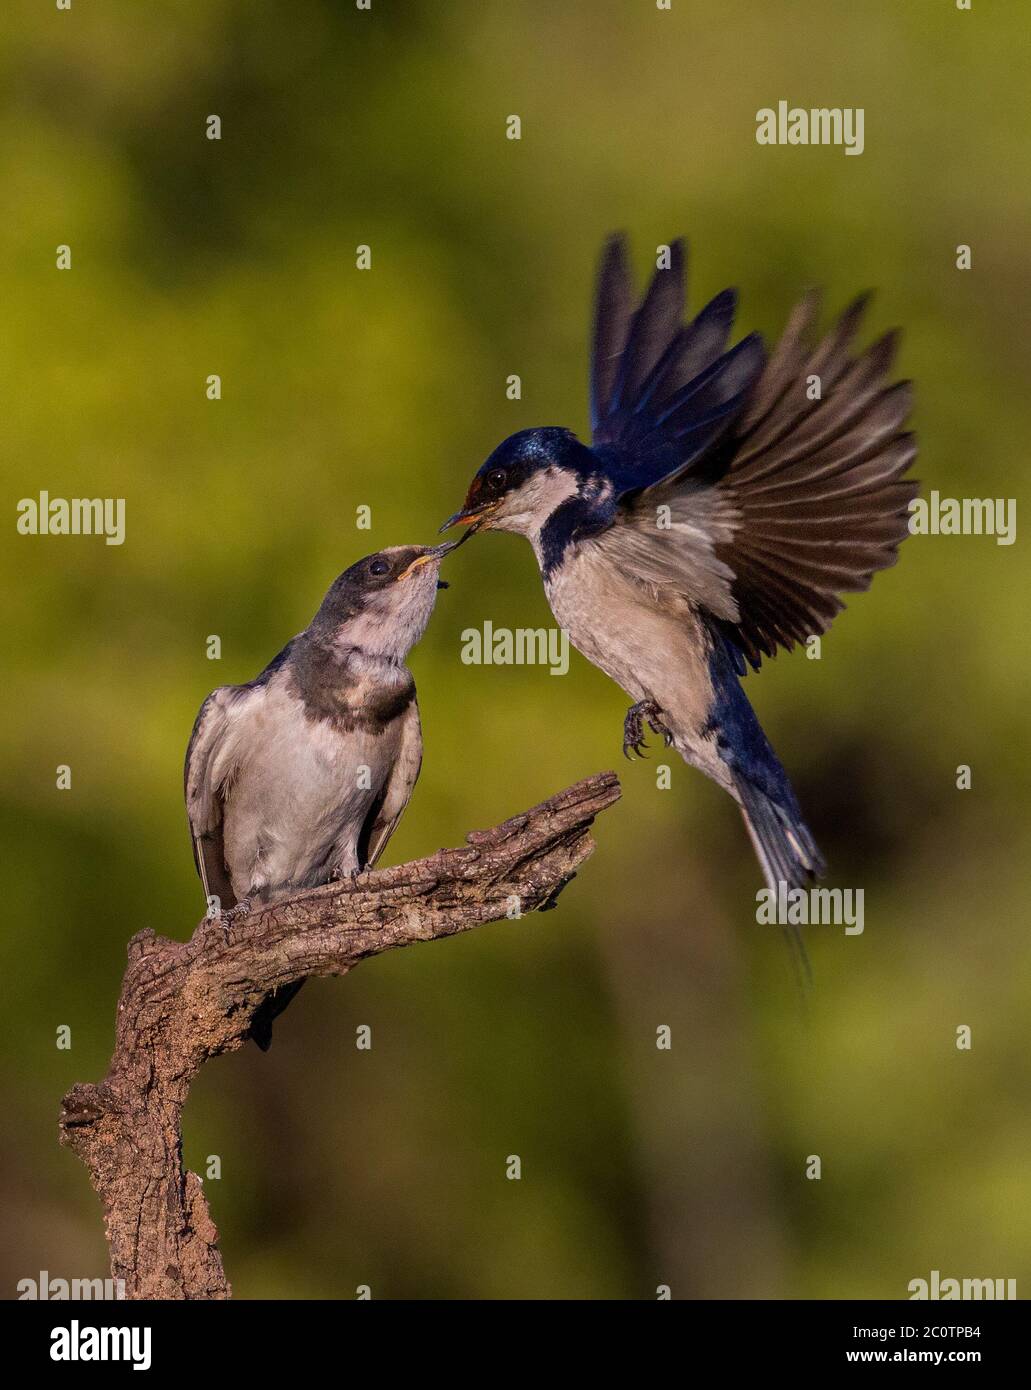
x=523, y=482
x=383, y=603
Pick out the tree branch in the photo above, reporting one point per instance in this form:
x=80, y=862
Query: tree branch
x=183, y=1002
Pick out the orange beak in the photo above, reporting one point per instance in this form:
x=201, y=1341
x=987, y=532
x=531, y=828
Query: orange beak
x=470, y=516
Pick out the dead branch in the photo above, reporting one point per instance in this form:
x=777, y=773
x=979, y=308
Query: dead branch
x=183, y=1002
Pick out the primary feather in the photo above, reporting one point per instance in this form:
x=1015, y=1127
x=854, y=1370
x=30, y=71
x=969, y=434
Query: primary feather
x=783, y=478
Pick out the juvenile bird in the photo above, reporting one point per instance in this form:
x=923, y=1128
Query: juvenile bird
x=302, y=774
x=724, y=502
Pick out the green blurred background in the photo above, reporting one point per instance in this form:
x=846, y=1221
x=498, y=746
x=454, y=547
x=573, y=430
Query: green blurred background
x=387, y=388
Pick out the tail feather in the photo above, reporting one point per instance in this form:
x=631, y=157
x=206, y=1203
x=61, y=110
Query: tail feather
x=783, y=842
x=787, y=852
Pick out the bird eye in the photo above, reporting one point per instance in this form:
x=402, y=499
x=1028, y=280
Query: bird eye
x=496, y=479
x=378, y=567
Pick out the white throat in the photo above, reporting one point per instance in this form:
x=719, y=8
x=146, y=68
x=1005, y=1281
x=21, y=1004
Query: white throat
x=527, y=509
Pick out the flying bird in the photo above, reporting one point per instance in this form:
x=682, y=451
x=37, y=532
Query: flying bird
x=725, y=500
x=302, y=774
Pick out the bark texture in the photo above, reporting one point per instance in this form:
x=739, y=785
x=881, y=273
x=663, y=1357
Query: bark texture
x=183, y=1002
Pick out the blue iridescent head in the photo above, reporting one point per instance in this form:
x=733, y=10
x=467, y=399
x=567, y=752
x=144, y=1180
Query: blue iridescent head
x=527, y=477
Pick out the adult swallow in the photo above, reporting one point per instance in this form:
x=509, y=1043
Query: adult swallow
x=725, y=500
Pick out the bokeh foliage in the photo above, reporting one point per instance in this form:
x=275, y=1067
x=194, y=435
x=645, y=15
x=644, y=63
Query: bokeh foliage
x=386, y=388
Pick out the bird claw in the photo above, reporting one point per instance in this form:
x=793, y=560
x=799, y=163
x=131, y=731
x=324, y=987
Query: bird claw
x=227, y=916
x=633, y=730
x=661, y=729
x=340, y=875
x=633, y=727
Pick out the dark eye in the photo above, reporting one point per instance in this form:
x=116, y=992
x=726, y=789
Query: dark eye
x=379, y=567
x=496, y=479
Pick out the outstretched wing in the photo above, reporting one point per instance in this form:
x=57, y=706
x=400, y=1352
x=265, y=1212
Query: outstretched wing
x=207, y=772
x=815, y=481
x=760, y=491
x=662, y=392
x=385, y=814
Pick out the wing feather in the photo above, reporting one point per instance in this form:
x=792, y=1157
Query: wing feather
x=205, y=777
x=663, y=393
x=816, y=485
x=614, y=307
x=776, y=503
x=383, y=819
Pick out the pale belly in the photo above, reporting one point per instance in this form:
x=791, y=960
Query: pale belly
x=298, y=805
x=652, y=654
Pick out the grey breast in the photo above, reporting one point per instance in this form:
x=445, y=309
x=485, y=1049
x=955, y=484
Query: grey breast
x=306, y=781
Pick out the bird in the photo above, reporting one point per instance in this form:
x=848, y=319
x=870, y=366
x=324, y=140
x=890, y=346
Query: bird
x=726, y=498
x=301, y=775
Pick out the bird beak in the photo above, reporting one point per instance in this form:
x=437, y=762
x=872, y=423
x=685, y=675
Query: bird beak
x=432, y=552
x=471, y=518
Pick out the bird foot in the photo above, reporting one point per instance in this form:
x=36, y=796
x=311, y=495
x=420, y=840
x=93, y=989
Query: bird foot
x=633, y=727
x=341, y=875
x=234, y=914
x=227, y=916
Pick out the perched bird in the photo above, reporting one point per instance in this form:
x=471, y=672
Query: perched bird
x=723, y=503
x=301, y=775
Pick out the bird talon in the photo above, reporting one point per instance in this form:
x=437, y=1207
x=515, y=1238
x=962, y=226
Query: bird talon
x=350, y=876
x=342, y=875
x=227, y=916
x=633, y=727
x=218, y=924
x=657, y=727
